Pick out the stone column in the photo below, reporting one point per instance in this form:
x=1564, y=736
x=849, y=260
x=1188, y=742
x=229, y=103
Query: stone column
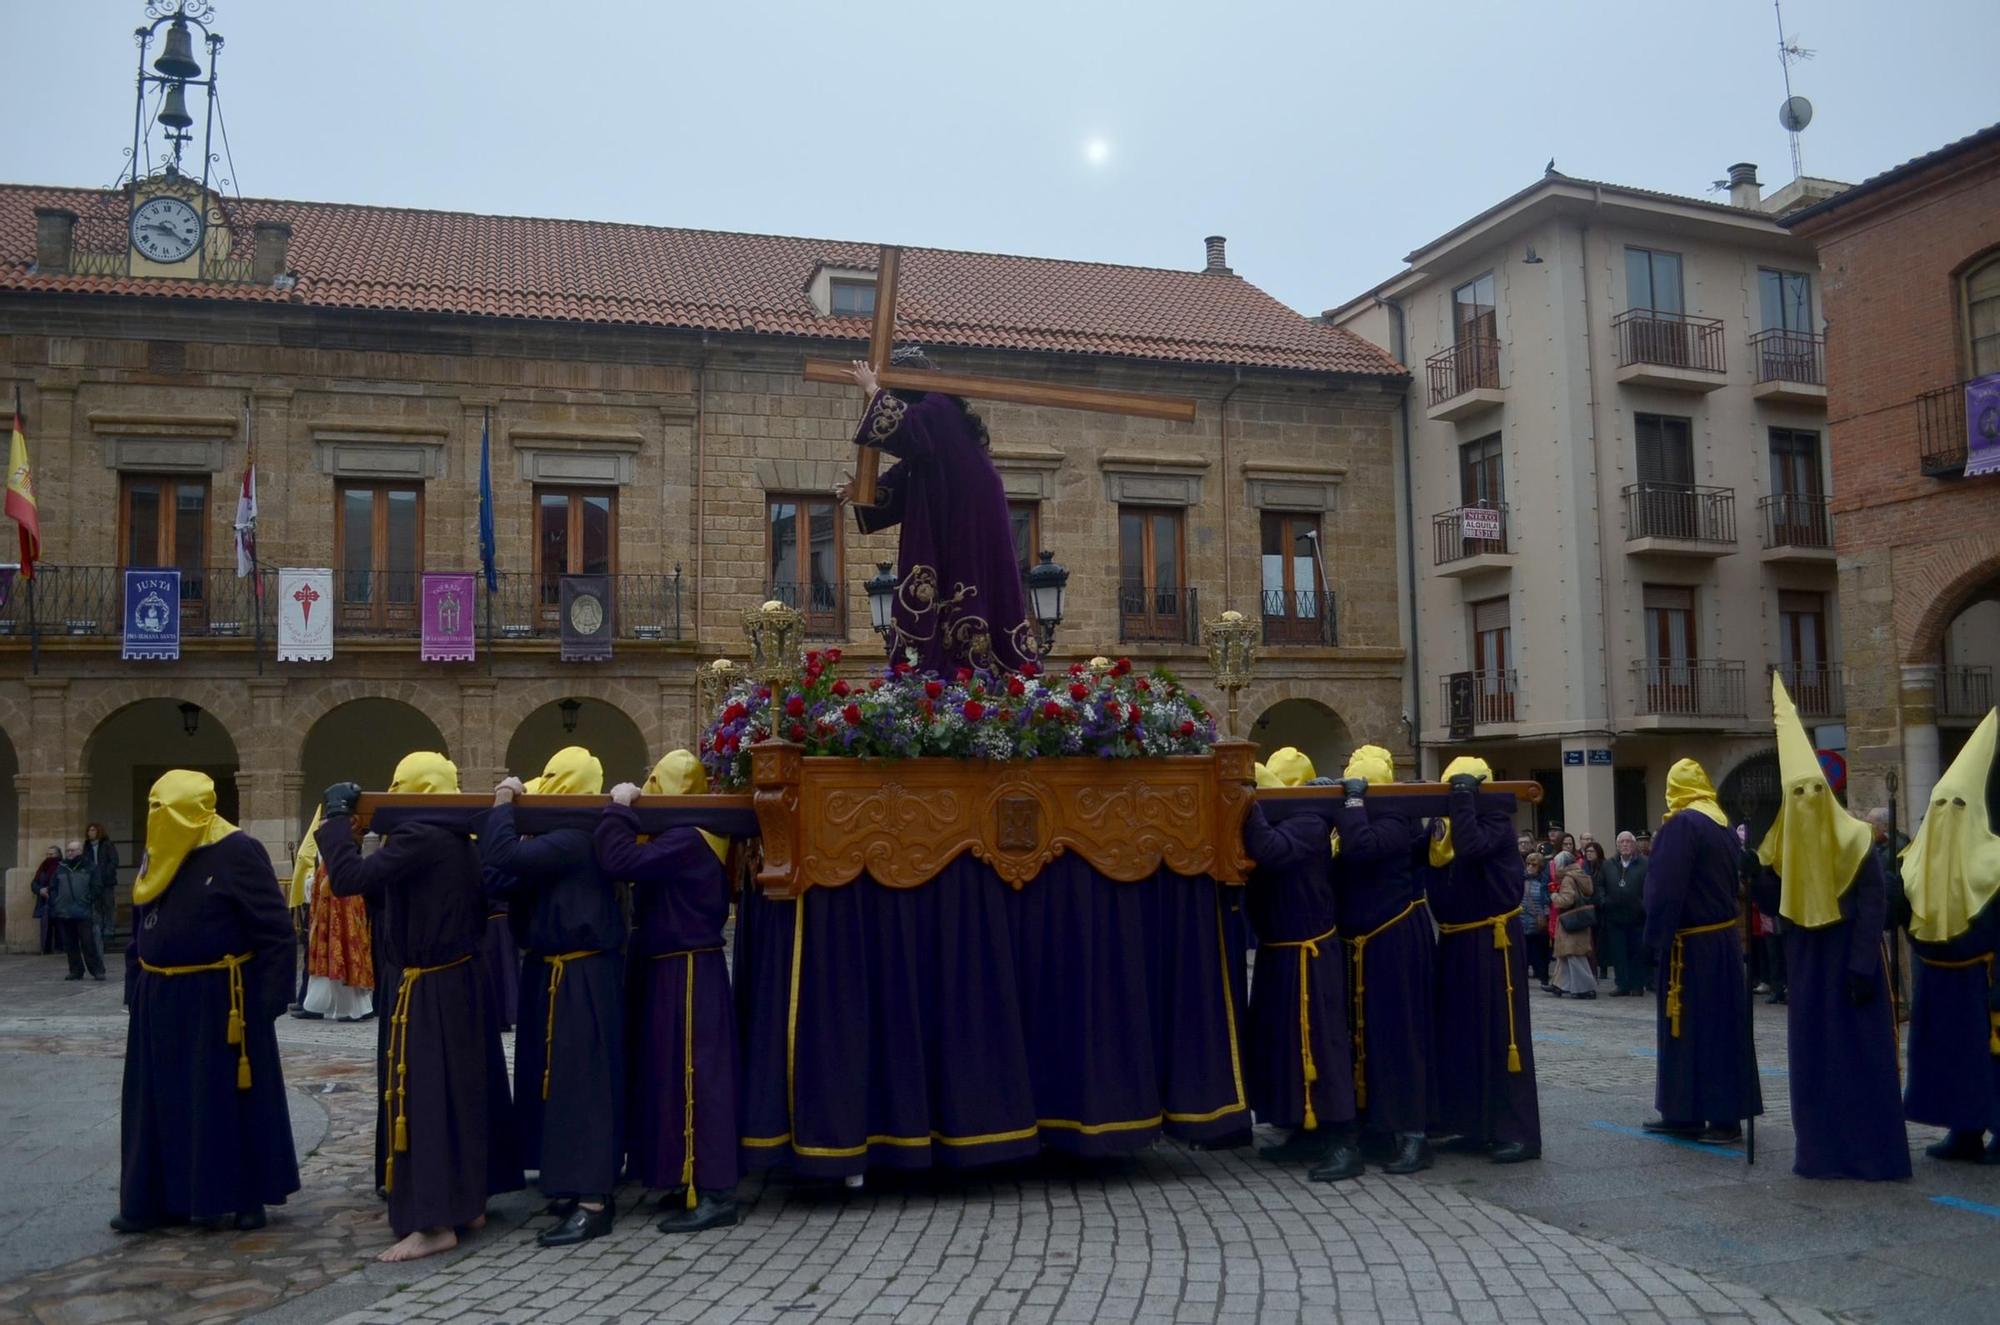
x=1917, y=707
x=479, y=756
x=1588, y=790
x=46, y=814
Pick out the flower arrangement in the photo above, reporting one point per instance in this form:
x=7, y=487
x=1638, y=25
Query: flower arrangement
x=1100, y=708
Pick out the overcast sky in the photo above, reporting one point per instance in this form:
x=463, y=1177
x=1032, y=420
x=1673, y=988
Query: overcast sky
x=1325, y=140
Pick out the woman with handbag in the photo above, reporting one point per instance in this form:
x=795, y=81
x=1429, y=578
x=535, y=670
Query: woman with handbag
x=1576, y=915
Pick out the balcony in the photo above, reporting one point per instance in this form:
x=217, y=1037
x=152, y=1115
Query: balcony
x=1672, y=692
x=1456, y=554
x=1158, y=616
x=822, y=605
x=1797, y=528
x=1941, y=435
x=1487, y=697
x=1301, y=617
x=1464, y=379
x=1816, y=688
x=1964, y=693
x=1791, y=367
x=1679, y=520
x=1671, y=351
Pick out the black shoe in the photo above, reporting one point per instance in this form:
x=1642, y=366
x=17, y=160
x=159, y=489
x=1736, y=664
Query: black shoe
x=1960, y=1143
x=252, y=1219
x=97, y=976
x=1516, y=1152
x=1585, y=998
x=1413, y=1154
x=1722, y=1134
x=1661, y=1127
x=712, y=1210
x=77, y=976
x=580, y=1226
x=1465, y=1145
x=120, y=1224
x=1342, y=1162
x=562, y=1207
x=304, y=1015
x=1301, y=1147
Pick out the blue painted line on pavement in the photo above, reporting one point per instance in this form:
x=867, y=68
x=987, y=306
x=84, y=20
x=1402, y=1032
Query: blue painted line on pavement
x=1682, y=1142
x=1645, y=1053
x=1960, y=1203
x=1772, y=1072
x=1543, y=1037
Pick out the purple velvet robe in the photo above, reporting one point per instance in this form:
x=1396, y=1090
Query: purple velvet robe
x=961, y=601
x=1290, y=898
x=1708, y=1073
x=1376, y=888
x=1482, y=990
x=676, y=981
x=1954, y=1071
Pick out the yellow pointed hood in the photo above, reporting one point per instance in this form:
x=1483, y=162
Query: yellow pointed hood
x=572, y=771
x=180, y=818
x=1952, y=870
x=1290, y=766
x=1688, y=788
x=1265, y=777
x=304, y=861
x=424, y=772
x=1442, y=853
x=1815, y=844
x=1372, y=764
x=679, y=773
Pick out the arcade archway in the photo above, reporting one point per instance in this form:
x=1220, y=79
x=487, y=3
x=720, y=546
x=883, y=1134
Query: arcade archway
x=1310, y=726
x=603, y=729
x=1751, y=792
x=361, y=741
x=132, y=747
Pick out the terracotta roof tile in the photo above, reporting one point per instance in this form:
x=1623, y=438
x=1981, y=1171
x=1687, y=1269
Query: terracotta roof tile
x=397, y=259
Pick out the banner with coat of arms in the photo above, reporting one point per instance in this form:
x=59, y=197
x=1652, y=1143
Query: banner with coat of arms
x=152, y=615
x=1982, y=425
x=586, y=618
x=448, y=618
x=305, y=615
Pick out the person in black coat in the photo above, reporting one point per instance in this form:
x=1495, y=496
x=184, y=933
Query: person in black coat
x=1622, y=902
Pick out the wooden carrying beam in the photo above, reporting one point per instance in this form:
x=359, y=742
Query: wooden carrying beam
x=730, y=814
x=1531, y=792
x=1173, y=409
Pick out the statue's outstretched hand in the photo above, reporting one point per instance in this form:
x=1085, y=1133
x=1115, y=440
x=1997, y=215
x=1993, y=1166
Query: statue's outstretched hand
x=864, y=377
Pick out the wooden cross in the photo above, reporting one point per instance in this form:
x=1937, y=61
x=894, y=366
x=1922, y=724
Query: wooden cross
x=881, y=340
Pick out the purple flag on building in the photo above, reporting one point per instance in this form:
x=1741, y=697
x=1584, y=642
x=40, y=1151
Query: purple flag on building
x=1982, y=425
x=448, y=618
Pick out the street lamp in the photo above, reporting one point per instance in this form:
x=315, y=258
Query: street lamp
x=190, y=717
x=1232, y=651
x=1046, y=582
x=882, y=599
x=569, y=708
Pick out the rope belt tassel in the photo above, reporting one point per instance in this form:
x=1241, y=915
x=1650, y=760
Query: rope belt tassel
x=235, y=1035
x=1991, y=961
x=687, y=1070
x=1676, y=963
x=1358, y=1004
x=561, y=964
x=1500, y=925
x=395, y=1095
x=1308, y=953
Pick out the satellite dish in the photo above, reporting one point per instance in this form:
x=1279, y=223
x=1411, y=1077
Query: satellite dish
x=1795, y=114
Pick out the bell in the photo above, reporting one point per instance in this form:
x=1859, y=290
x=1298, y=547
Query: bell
x=177, y=60
x=174, y=114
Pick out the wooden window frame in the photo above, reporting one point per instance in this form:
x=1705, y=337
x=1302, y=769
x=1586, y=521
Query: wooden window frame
x=194, y=597
x=1288, y=625
x=548, y=594
x=376, y=612
x=1673, y=684
x=1989, y=263
x=828, y=622
x=1492, y=661
x=1142, y=611
x=1484, y=325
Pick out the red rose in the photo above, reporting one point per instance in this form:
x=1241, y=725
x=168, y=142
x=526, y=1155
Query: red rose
x=1145, y=686
x=853, y=715
x=757, y=734
x=1187, y=729
x=1016, y=686
x=1113, y=712
x=964, y=675
x=876, y=684
x=1079, y=691
x=812, y=657
x=832, y=656
x=932, y=689
x=973, y=710
x=733, y=712
x=1123, y=667
x=1031, y=669
x=1076, y=669
x=840, y=689
x=798, y=732
x=795, y=707
x=904, y=669
x=763, y=692
x=1052, y=710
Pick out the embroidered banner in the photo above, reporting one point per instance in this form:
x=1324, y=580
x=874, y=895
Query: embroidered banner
x=586, y=618
x=1982, y=425
x=448, y=618
x=305, y=615
x=152, y=615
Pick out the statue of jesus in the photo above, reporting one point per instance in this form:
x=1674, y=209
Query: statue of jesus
x=960, y=600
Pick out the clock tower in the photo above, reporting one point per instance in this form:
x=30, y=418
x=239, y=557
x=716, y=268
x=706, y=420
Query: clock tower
x=176, y=227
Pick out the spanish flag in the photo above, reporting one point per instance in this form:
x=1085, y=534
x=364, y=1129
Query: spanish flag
x=20, y=504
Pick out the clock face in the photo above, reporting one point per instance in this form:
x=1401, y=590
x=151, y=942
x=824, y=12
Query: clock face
x=166, y=229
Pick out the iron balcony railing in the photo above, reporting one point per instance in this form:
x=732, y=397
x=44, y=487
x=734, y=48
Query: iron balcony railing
x=1965, y=691
x=88, y=602
x=1302, y=616
x=1816, y=688
x=1493, y=694
x=1669, y=340
x=823, y=606
x=1795, y=521
x=1941, y=435
x=1680, y=511
x=1158, y=616
x=1463, y=367
x=1689, y=688
x=526, y=605
x=1789, y=356
x=1448, y=540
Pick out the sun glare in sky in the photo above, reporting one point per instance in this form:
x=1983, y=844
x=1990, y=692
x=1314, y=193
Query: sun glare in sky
x=1096, y=151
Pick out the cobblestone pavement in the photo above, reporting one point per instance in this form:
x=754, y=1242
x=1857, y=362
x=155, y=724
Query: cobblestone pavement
x=1610, y=1226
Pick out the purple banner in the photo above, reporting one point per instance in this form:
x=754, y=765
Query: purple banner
x=1982, y=425
x=448, y=618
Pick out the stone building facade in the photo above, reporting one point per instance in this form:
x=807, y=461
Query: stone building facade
x=1911, y=264
x=641, y=387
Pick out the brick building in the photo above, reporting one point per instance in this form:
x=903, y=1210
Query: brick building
x=647, y=419
x=1911, y=263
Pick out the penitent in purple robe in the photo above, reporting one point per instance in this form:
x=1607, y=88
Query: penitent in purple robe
x=681, y=1084
x=1392, y=952
x=1482, y=985
x=1290, y=899
x=1708, y=1072
x=960, y=601
x=1847, y=1117
x=1954, y=1052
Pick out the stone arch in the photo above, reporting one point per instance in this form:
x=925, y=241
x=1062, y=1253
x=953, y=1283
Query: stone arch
x=634, y=698
x=361, y=740
x=1309, y=724
x=605, y=729
x=88, y=711
x=437, y=701
x=138, y=740
x=1934, y=592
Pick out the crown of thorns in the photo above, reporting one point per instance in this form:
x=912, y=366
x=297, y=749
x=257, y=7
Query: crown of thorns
x=910, y=356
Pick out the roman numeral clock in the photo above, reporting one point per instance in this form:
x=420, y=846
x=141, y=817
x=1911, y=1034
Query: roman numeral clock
x=166, y=229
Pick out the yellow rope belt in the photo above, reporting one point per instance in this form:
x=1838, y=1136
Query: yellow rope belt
x=1988, y=961
x=1359, y=1003
x=687, y=1070
x=1308, y=953
x=561, y=963
x=1675, y=964
x=234, y=965
x=1499, y=925
x=395, y=1094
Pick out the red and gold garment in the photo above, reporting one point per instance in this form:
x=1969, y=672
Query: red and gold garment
x=340, y=939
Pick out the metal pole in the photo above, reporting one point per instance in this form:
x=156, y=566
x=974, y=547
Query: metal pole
x=257, y=613
x=1750, y=1024
x=34, y=633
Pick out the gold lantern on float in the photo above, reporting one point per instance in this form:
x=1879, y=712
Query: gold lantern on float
x=775, y=631
x=1232, y=652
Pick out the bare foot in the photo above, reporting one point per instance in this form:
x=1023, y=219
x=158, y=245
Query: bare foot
x=424, y=1242
x=476, y=1224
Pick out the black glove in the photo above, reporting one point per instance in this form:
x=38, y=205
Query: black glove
x=1466, y=782
x=1356, y=788
x=1861, y=990
x=338, y=800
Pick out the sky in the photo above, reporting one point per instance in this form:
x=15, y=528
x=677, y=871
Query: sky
x=1325, y=140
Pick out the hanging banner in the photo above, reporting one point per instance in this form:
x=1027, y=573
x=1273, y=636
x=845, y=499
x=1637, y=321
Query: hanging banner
x=1982, y=425
x=586, y=618
x=305, y=615
x=152, y=615
x=448, y=618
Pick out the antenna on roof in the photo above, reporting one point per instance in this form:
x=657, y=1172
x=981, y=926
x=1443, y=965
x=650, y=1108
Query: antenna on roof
x=1796, y=113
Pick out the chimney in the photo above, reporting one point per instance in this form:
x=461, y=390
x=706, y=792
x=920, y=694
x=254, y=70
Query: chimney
x=55, y=234
x=1744, y=190
x=271, y=239
x=1217, y=261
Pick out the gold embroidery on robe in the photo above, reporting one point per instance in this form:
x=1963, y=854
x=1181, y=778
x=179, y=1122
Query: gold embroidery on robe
x=886, y=418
